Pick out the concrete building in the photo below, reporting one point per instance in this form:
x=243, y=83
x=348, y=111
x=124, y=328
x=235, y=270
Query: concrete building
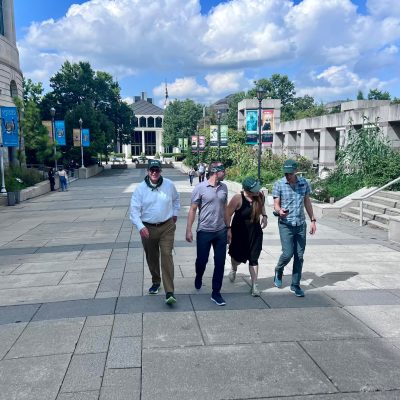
x=10, y=72
x=319, y=138
x=147, y=136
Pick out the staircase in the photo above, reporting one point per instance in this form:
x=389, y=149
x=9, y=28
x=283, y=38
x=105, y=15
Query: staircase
x=378, y=210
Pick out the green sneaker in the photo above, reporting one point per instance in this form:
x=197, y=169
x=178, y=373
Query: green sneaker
x=170, y=298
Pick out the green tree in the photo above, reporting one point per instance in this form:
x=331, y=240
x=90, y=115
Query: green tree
x=375, y=94
x=360, y=95
x=232, y=116
x=180, y=121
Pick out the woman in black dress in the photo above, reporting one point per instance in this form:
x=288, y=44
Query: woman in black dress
x=245, y=234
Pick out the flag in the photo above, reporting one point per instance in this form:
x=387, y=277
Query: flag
x=9, y=126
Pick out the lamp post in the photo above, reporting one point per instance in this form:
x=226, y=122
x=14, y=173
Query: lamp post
x=3, y=190
x=198, y=144
x=260, y=95
x=80, y=129
x=219, y=134
x=53, y=134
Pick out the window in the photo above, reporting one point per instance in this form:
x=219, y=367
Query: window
x=158, y=122
x=1, y=18
x=142, y=122
x=150, y=143
x=150, y=122
x=13, y=89
x=136, y=142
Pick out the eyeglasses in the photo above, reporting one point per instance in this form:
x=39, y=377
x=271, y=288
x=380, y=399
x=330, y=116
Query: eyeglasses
x=154, y=170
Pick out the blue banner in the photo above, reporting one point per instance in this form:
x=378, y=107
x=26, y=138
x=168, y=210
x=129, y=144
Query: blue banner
x=85, y=137
x=59, y=126
x=9, y=126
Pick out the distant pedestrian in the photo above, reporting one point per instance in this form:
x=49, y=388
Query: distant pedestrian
x=210, y=198
x=154, y=211
x=245, y=234
x=201, y=170
x=191, y=174
x=52, y=179
x=291, y=194
x=62, y=173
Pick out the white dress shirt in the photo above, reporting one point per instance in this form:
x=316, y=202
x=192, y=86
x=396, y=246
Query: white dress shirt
x=154, y=206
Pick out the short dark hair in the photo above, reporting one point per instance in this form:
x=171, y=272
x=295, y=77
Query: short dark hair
x=213, y=164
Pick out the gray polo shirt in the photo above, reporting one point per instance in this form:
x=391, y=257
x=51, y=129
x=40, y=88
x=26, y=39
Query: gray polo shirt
x=211, y=202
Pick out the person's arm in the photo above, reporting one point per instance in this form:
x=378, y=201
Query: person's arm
x=190, y=220
x=136, y=212
x=230, y=209
x=176, y=203
x=264, y=220
x=309, y=209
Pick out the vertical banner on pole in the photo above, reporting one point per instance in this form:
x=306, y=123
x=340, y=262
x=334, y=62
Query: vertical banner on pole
x=267, y=122
x=185, y=143
x=9, y=125
x=213, y=135
x=76, y=134
x=47, y=125
x=224, y=136
x=202, y=143
x=194, y=143
x=59, y=127
x=251, y=126
x=85, y=137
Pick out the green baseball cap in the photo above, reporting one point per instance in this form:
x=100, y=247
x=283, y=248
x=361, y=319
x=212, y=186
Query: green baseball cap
x=290, y=166
x=251, y=185
x=154, y=164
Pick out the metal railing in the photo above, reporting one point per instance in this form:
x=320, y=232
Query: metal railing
x=362, y=198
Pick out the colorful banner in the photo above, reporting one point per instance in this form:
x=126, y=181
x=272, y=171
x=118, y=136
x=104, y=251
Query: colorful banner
x=213, y=135
x=85, y=137
x=47, y=125
x=194, y=143
x=224, y=136
x=267, y=123
x=183, y=143
x=76, y=134
x=201, y=143
x=251, y=126
x=9, y=126
x=59, y=127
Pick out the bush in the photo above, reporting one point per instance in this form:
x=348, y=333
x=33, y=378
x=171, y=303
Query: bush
x=18, y=178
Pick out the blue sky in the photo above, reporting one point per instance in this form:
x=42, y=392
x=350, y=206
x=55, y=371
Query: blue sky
x=207, y=49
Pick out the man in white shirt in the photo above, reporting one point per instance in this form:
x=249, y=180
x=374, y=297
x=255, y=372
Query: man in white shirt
x=154, y=210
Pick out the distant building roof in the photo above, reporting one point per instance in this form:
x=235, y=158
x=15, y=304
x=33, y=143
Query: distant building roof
x=143, y=107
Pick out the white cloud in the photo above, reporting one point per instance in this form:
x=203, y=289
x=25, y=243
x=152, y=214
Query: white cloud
x=237, y=40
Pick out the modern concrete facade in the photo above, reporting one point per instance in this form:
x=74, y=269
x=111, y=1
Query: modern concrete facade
x=10, y=72
x=319, y=138
x=147, y=136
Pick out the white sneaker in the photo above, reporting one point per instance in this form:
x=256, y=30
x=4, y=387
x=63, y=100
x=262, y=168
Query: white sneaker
x=254, y=291
x=232, y=275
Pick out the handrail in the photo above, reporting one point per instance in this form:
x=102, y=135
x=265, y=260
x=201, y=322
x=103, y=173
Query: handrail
x=362, y=198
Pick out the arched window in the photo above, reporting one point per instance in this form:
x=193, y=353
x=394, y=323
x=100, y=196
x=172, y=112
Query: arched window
x=150, y=122
x=13, y=89
x=158, y=122
x=142, y=122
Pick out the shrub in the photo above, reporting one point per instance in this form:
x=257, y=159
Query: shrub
x=18, y=178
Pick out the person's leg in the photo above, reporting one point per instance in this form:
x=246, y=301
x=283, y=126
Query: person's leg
x=167, y=236
x=253, y=269
x=203, y=241
x=286, y=236
x=299, y=247
x=219, y=243
x=234, y=266
x=152, y=251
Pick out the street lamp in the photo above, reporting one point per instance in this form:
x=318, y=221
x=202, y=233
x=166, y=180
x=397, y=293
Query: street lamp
x=80, y=129
x=219, y=134
x=3, y=190
x=198, y=144
x=53, y=131
x=260, y=95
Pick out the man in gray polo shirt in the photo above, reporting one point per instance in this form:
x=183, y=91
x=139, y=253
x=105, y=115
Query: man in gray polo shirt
x=210, y=198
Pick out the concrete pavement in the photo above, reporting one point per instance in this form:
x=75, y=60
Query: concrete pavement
x=76, y=322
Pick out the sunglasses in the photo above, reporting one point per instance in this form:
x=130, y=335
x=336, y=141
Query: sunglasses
x=154, y=170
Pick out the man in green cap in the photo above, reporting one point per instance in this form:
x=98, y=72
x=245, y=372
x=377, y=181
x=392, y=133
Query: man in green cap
x=291, y=195
x=154, y=211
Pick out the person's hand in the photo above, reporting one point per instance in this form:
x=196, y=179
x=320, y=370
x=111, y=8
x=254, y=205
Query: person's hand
x=144, y=233
x=189, y=236
x=283, y=213
x=229, y=236
x=264, y=222
x=175, y=218
x=313, y=228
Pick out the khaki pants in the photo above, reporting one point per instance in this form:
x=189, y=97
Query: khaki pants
x=161, y=242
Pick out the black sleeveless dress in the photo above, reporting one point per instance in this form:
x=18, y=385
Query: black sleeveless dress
x=247, y=236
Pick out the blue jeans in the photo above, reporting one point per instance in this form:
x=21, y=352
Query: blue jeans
x=63, y=183
x=218, y=240
x=293, y=241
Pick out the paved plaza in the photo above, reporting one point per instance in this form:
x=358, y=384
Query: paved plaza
x=76, y=322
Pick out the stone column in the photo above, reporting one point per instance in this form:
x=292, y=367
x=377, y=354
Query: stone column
x=277, y=144
x=392, y=133
x=290, y=143
x=143, y=143
x=307, y=144
x=9, y=25
x=327, y=148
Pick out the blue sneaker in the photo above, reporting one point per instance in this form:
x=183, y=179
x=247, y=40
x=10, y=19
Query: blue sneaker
x=218, y=299
x=278, y=280
x=154, y=288
x=297, y=290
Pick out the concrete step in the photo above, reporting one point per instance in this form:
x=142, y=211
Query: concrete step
x=353, y=216
x=379, y=225
x=390, y=195
x=383, y=200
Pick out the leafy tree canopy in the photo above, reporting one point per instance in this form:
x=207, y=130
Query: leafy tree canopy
x=375, y=94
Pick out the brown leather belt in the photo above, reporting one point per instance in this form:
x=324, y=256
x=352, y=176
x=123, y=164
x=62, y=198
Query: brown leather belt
x=157, y=224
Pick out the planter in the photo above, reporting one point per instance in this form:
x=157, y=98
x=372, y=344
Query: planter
x=11, y=198
x=17, y=197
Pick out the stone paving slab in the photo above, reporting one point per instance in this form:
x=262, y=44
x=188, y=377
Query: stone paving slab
x=92, y=395
x=125, y=352
x=23, y=313
x=358, y=365
x=9, y=334
x=231, y=372
x=287, y=300
x=386, y=395
x=364, y=297
x=121, y=384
